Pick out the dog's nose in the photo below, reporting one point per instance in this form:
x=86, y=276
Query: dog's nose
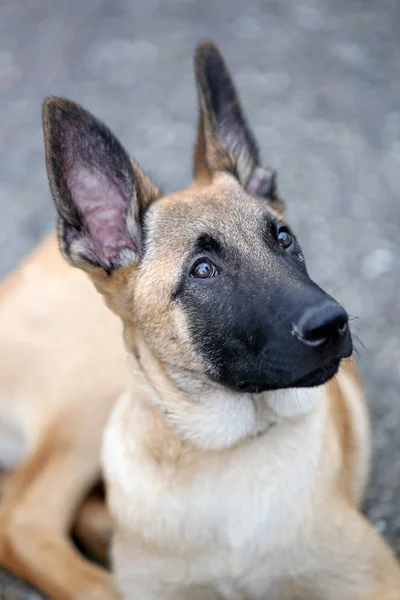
x=322, y=325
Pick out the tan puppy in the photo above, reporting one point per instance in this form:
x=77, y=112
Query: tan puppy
x=229, y=474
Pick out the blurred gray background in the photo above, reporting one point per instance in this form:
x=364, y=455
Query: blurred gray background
x=320, y=81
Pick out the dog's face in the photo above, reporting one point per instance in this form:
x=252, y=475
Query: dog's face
x=212, y=276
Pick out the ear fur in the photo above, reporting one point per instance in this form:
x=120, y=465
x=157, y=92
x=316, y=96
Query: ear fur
x=99, y=192
x=225, y=142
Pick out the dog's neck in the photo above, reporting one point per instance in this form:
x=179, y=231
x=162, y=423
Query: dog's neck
x=208, y=415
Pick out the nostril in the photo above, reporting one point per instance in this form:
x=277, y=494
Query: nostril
x=314, y=337
x=326, y=331
x=318, y=335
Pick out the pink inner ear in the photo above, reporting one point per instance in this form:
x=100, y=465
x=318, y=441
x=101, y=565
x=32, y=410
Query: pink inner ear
x=103, y=210
x=259, y=182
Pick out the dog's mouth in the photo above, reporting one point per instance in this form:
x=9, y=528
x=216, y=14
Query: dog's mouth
x=314, y=378
x=318, y=376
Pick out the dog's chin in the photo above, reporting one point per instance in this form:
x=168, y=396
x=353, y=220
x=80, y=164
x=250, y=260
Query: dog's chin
x=314, y=378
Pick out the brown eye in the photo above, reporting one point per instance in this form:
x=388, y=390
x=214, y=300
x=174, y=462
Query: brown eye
x=204, y=269
x=284, y=238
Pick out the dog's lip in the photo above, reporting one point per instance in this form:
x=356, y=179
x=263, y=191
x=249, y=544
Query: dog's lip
x=317, y=376
x=324, y=372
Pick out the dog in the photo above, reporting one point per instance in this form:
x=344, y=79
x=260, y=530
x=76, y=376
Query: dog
x=237, y=454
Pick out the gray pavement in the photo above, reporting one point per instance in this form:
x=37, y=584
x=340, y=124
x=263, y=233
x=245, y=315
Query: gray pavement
x=320, y=80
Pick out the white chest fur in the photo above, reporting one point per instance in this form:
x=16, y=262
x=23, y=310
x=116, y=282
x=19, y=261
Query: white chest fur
x=223, y=522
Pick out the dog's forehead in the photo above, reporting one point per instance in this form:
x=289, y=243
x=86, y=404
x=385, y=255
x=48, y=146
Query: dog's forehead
x=222, y=210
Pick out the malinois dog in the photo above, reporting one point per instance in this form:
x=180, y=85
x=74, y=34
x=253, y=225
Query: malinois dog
x=237, y=455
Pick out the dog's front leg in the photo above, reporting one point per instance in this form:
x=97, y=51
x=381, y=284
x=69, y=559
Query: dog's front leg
x=356, y=562
x=143, y=575
x=150, y=590
x=37, y=513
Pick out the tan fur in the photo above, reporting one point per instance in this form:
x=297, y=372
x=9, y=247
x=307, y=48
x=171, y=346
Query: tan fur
x=212, y=494
x=62, y=366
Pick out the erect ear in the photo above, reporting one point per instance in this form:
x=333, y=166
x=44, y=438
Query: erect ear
x=99, y=192
x=224, y=140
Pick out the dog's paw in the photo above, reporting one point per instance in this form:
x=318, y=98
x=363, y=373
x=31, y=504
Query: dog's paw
x=99, y=592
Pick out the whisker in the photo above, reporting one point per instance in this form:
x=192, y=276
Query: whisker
x=359, y=341
x=335, y=290
x=352, y=327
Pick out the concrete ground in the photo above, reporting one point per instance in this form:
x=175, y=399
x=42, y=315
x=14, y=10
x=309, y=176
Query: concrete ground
x=320, y=80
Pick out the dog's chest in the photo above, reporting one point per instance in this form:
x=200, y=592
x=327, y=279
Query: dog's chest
x=226, y=521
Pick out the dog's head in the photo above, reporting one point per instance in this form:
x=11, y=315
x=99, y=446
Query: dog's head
x=212, y=276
